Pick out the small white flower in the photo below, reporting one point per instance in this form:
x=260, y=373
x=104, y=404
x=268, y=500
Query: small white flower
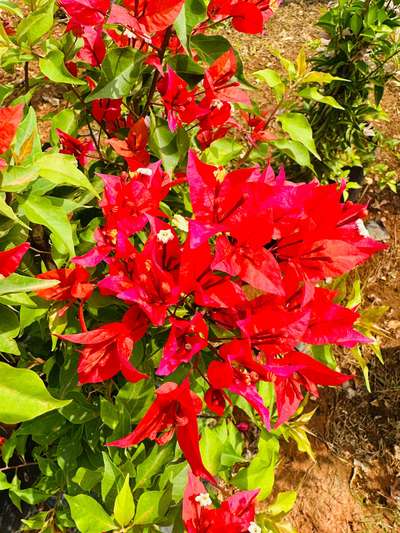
x=369, y=131
x=129, y=34
x=203, y=499
x=165, y=235
x=145, y=171
x=362, y=230
x=254, y=528
x=180, y=222
x=218, y=103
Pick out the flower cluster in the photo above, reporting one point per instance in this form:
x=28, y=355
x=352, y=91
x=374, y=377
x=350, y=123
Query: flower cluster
x=236, y=284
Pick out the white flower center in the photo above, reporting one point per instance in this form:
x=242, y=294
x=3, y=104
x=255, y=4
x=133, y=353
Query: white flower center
x=203, y=499
x=254, y=528
x=145, y=171
x=362, y=230
x=180, y=222
x=165, y=235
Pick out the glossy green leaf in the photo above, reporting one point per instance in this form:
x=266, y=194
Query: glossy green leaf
x=11, y=7
x=62, y=169
x=23, y=395
x=296, y=150
x=312, y=93
x=261, y=471
x=152, y=506
x=89, y=516
x=298, y=128
x=53, y=66
x=44, y=211
x=17, y=283
x=35, y=25
x=124, y=506
x=193, y=12
x=119, y=73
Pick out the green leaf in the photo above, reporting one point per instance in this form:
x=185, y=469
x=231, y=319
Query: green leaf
x=211, y=449
x=298, y=128
x=62, y=169
x=11, y=8
x=273, y=80
x=320, y=77
x=283, y=504
x=53, y=66
x=6, y=210
x=27, y=143
x=87, y=479
x=120, y=71
x=312, y=93
x=124, y=506
x=109, y=483
x=65, y=120
x=152, y=465
x=23, y=395
x=295, y=150
x=88, y=515
x=166, y=145
x=193, y=12
x=17, y=283
x=222, y=151
x=210, y=47
x=152, y=506
x=35, y=25
x=261, y=472
x=9, y=329
x=44, y=211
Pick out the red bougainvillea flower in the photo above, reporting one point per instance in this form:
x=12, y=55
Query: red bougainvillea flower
x=11, y=259
x=78, y=148
x=236, y=514
x=218, y=84
x=107, y=112
x=93, y=50
x=86, y=12
x=295, y=371
x=175, y=409
x=153, y=14
x=247, y=17
x=179, y=103
x=74, y=285
x=10, y=117
x=186, y=339
x=134, y=148
x=107, y=349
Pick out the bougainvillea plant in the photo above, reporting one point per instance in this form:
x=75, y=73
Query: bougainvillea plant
x=170, y=290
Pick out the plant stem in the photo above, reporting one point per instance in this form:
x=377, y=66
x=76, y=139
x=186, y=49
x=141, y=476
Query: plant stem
x=156, y=75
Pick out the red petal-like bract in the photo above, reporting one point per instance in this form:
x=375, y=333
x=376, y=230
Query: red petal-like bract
x=235, y=514
x=175, y=409
x=10, y=117
x=153, y=14
x=107, y=349
x=11, y=259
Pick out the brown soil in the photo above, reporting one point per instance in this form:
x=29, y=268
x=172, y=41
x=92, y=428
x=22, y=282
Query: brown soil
x=354, y=483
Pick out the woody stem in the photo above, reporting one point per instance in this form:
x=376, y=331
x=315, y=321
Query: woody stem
x=156, y=75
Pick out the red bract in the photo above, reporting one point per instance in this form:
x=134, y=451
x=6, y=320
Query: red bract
x=10, y=117
x=74, y=285
x=247, y=17
x=295, y=371
x=218, y=84
x=186, y=339
x=86, y=12
x=94, y=49
x=107, y=349
x=236, y=514
x=134, y=148
x=71, y=145
x=11, y=259
x=179, y=103
x=153, y=14
x=175, y=409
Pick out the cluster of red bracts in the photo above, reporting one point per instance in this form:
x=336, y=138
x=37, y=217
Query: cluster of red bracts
x=247, y=263
x=143, y=25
